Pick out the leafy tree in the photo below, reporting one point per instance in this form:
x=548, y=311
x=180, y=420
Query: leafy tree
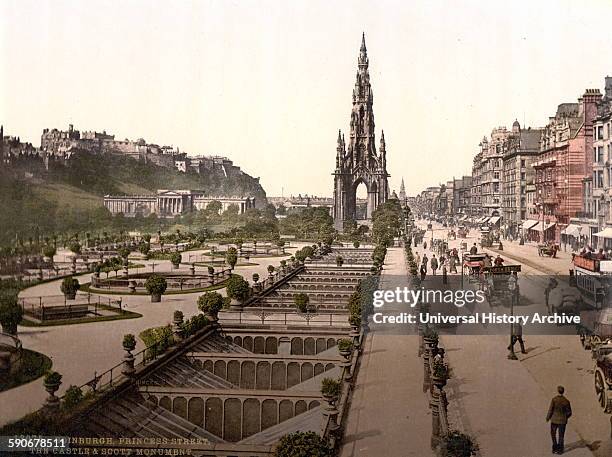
x=75, y=247
x=231, y=257
x=210, y=303
x=238, y=288
x=156, y=284
x=10, y=311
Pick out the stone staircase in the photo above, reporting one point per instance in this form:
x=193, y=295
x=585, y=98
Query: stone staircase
x=181, y=373
x=218, y=343
x=305, y=422
x=131, y=416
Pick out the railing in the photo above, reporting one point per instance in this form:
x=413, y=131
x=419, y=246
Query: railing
x=43, y=307
x=114, y=375
x=10, y=341
x=269, y=316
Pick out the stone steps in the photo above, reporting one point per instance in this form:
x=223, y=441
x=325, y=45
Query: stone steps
x=217, y=343
x=308, y=421
x=181, y=373
x=133, y=416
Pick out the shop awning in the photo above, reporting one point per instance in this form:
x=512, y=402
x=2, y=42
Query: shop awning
x=538, y=226
x=494, y=220
x=571, y=230
x=605, y=233
x=528, y=224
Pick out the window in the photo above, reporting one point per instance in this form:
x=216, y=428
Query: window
x=600, y=157
x=522, y=163
x=600, y=132
x=496, y=175
x=522, y=176
x=495, y=187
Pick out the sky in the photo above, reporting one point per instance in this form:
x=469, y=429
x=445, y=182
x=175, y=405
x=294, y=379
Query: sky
x=269, y=83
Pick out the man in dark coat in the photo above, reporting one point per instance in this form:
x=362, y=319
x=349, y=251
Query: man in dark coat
x=559, y=412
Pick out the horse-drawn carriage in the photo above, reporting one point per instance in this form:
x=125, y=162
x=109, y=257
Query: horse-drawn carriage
x=603, y=375
x=473, y=264
x=496, y=283
x=549, y=249
x=462, y=232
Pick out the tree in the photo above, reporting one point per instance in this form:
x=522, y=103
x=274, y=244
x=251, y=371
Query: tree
x=49, y=251
x=238, y=288
x=210, y=303
x=214, y=207
x=156, y=286
x=10, y=312
x=176, y=258
x=124, y=252
x=70, y=286
x=231, y=257
x=75, y=247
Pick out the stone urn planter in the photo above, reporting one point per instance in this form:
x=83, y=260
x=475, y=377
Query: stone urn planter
x=69, y=287
x=52, y=383
x=156, y=298
x=132, y=287
x=129, y=344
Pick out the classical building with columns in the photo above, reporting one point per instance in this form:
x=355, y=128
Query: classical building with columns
x=171, y=203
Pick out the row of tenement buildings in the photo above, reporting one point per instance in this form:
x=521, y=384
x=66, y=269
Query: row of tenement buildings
x=61, y=144
x=556, y=179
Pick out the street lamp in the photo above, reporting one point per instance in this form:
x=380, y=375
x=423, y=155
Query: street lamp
x=512, y=287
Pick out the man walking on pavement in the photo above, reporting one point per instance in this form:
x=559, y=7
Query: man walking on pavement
x=434, y=265
x=517, y=335
x=559, y=412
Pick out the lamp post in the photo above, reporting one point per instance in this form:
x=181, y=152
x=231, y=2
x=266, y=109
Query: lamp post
x=512, y=288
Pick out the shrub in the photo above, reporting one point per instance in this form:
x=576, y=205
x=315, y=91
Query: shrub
x=255, y=277
x=75, y=247
x=271, y=269
x=210, y=303
x=157, y=340
x=356, y=244
x=49, y=251
x=211, y=270
x=355, y=319
x=52, y=378
x=70, y=285
x=301, y=302
x=124, y=252
x=303, y=444
x=144, y=248
x=156, y=285
x=175, y=258
x=237, y=288
x=191, y=326
x=10, y=311
x=457, y=444
x=344, y=344
x=129, y=342
x=72, y=397
x=178, y=315
x=339, y=260
x=331, y=387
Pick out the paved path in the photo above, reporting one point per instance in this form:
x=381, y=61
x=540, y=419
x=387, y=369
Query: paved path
x=389, y=414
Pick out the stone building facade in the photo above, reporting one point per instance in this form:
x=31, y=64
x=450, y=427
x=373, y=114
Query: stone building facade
x=171, y=203
x=518, y=174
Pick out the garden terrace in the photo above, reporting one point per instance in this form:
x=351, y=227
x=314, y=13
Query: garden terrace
x=241, y=389
x=350, y=256
x=177, y=282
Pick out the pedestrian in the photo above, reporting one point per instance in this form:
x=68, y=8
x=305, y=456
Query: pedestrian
x=423, y=270
x=552, y=283
x=418, y=258
x=434, y=265
x=499, y=261
x=517, y=335
x=453, y=264
x=559, y=412
x=474, y=249
x=424, y=244
x=425, y=259
x=444, y=275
